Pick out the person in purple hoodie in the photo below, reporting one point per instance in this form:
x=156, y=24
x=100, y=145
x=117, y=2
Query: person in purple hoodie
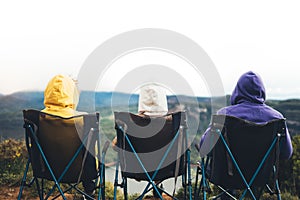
x=248, y=102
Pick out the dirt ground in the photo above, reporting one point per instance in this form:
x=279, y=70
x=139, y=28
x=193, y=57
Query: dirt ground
x=11, y=193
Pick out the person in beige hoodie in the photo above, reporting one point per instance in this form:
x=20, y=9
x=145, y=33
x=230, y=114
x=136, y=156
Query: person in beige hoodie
x=152, y=102
x=61, y=98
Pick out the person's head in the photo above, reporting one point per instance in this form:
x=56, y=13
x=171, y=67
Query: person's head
x=61, y=93
x=153, y=100
x=249, y=88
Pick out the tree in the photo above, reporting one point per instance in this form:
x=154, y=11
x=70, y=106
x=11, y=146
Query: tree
x=289, y=170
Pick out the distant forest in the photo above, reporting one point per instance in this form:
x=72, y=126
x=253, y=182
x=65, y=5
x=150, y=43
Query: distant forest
x=11, y=106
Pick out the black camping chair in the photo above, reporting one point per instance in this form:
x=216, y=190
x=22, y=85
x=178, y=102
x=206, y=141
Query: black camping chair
x=61, y=150
x=152, y=149
x=244, y=160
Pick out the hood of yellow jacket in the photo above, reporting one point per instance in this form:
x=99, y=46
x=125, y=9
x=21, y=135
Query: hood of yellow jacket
x=61, y=96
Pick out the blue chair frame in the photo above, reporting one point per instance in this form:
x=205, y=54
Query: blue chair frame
x=41, y=166
x=222, y=127
x=153, y=177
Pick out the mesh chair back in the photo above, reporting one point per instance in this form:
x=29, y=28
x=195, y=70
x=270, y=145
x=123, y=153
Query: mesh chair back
x=60, y=138
x=150, y=137
x=248, y=143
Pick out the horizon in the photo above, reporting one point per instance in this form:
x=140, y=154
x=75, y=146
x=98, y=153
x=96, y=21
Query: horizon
x=168, y=95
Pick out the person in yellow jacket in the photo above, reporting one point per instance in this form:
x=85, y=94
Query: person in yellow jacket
x=61, y=98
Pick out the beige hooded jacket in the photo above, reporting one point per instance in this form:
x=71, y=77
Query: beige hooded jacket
x=153, y=100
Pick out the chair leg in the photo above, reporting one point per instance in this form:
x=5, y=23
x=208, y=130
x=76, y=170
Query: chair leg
x=189, y=174
x=184, y=181
x=277, y=190
x=125, y=188
x=102, y=168
x=23, y=183
x=276, y=184
x=203, y=179
x=196, y=193
x=101, y=182
x=116, y=184
x=40, y=189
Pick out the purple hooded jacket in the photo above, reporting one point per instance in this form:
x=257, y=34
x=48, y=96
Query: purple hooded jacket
x=248, y=102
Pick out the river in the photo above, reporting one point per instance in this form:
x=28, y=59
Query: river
x=138, y=186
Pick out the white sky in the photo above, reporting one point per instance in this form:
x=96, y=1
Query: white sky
x=39, y=40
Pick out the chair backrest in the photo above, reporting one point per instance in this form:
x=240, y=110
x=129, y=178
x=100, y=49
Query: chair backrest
x=150, y=138
x=60, y=138
x=248, y=142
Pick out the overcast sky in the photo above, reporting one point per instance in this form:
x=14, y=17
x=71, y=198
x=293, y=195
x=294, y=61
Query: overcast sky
x=39, y=40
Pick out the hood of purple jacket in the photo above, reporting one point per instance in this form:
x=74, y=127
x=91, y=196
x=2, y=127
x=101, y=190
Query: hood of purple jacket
x=249, y=88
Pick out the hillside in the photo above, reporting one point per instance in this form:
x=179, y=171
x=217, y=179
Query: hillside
x=11, y=107
x=291, y=111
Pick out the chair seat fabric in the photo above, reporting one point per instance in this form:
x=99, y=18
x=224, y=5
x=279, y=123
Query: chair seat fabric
x=248, y=142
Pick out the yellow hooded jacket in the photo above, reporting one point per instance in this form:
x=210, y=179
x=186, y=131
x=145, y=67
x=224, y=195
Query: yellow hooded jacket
x=61, y=97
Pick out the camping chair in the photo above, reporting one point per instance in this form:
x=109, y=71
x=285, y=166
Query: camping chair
x=152, y=149
x=244, y=159
x=58, y=150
